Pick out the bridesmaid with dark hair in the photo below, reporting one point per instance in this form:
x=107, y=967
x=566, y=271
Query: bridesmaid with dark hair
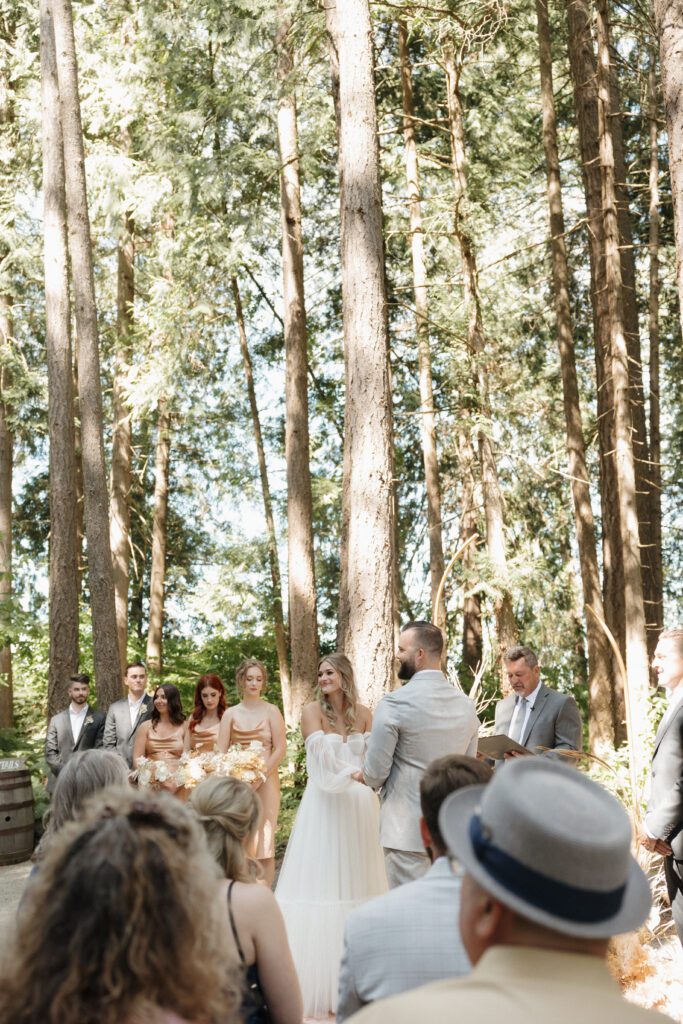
x=162, y=738
x=209, y=707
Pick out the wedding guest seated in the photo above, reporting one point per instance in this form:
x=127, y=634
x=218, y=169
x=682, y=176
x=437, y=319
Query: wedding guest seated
x=549, y=878
x=122, y=925
x=230, y=812
x=409, y=936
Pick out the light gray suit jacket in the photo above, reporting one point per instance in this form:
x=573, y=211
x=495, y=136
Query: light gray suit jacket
x=403, y=939
x=553, y=722
x=119, y=735
x=664, y=817
x=427, y=718
x=59, y=743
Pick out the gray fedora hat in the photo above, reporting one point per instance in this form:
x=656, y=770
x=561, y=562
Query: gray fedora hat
x=552, y=845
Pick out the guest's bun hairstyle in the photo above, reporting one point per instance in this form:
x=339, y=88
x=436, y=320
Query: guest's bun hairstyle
x=552, y=845
x=175, y=706
x=203, y=683
x=122, y=920
x=243, y=668
x=230, y=813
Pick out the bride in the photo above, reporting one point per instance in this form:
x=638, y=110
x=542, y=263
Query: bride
x=333, y=860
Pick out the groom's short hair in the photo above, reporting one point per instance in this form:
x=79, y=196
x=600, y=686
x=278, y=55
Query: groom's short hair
x=442, y=777
x=429, y=636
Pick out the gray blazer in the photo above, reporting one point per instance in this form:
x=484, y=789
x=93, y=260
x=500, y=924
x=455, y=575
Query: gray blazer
x=427, y=718
x=403, y=939
x=119, y=735
x=664, y=816
x=554, y=721
x=59, y=744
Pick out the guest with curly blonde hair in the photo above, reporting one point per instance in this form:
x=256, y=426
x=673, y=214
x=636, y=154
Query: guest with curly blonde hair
x=123, y=923
x=230, y=813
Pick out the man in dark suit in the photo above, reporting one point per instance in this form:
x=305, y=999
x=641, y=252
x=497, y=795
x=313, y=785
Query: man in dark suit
x=79, y=727
x=663, y=824
x=533, y=714
x=124, y=716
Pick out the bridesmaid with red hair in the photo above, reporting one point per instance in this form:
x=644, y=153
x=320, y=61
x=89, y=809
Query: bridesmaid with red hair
x=205, y=720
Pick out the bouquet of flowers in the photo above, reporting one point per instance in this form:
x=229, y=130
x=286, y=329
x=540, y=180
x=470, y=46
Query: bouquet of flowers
x=246, y=763
x=150, y=773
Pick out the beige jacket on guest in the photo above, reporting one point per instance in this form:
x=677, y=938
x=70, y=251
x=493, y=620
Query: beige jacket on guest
x=517, y=985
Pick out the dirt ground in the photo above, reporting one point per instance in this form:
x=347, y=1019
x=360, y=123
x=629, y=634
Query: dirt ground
x=12, y=879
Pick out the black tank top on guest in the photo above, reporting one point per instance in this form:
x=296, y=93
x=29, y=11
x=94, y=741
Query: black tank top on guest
x=254, y=1009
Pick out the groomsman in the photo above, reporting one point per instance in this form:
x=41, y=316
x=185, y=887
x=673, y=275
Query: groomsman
x=124, y=716
x=532, y=713
x=427, y=718
x=79, y=727
x=663, y=825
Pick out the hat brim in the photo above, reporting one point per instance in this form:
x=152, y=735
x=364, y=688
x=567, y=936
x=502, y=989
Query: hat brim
x=454, y=822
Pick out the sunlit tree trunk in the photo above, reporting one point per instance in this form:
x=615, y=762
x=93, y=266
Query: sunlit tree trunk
x=367, y=585
x=303, y=629
x=600, y=668
x=472, y=631
x=278, y=615
x=653, y=316
x=637, y=662
x=669, y=15
x=63, y=579
x=427, y=417
x=96, y=501
x=159, y=537
x=493, y=499
x=121, y=461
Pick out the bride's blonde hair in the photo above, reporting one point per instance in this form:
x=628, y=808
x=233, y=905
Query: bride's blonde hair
x=341, y=664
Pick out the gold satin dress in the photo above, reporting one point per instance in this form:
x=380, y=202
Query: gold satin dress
x=204, y=739
x=165, y=748
x=269, y=792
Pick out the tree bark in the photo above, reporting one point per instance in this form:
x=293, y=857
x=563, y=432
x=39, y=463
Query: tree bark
x=472, y=631
x=100, y=576
x=290, y=711
x=159, y=536
x=367, y=585
x=506, y=628
x=119, y=527
x=637, y=662
x=583, y=71
x=600, y=667
x=303, y=628
x=63, y=581
x=669, y=15
x=653, y=320
x=424, y=360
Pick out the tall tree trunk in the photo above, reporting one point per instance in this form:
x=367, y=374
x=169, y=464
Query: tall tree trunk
x=278, y=616
x=367, y=586
x=100, y=575
x=303, y=628
x=669, y=15
x=78, y=446
x=637, y=662
x=653, y=318
x=506, y=628
x=472, y=631
x=63, y=585
x=7, y=40
x=600, y=667
x=427, y=418
x=159, y=535
x=119, y=528
x=583, y=71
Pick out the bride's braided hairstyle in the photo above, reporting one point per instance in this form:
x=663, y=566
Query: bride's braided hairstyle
x=341, y=664
x=230, y=813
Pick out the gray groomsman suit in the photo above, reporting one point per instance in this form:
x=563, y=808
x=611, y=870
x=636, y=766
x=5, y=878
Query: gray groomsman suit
x=59, y=744
x=427, y=718
x=664, y=817
x=119, y=734
x=554, y=721
x=403, y=939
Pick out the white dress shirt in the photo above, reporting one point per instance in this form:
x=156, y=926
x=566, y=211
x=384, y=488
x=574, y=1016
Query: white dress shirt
x=530, y=701
x=77, y=718
x=134, y=708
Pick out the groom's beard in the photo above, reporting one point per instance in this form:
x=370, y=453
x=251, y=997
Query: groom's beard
x=407, y=670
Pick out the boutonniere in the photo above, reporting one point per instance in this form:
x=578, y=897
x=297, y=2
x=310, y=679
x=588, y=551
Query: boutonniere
x=89, y=720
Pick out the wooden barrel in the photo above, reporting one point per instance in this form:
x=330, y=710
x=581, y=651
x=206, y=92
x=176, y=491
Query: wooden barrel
x=16, y=812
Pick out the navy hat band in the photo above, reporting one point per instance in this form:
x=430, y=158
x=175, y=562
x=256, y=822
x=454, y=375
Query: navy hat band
x=556, y=898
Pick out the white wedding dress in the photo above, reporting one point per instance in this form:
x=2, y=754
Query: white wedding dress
x=333, y=862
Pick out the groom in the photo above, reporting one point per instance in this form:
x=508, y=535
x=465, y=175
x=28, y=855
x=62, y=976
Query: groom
x=427, y=718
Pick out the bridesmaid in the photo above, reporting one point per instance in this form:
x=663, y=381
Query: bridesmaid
x=161, y=738
x=209, y=708
x=255, y=719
